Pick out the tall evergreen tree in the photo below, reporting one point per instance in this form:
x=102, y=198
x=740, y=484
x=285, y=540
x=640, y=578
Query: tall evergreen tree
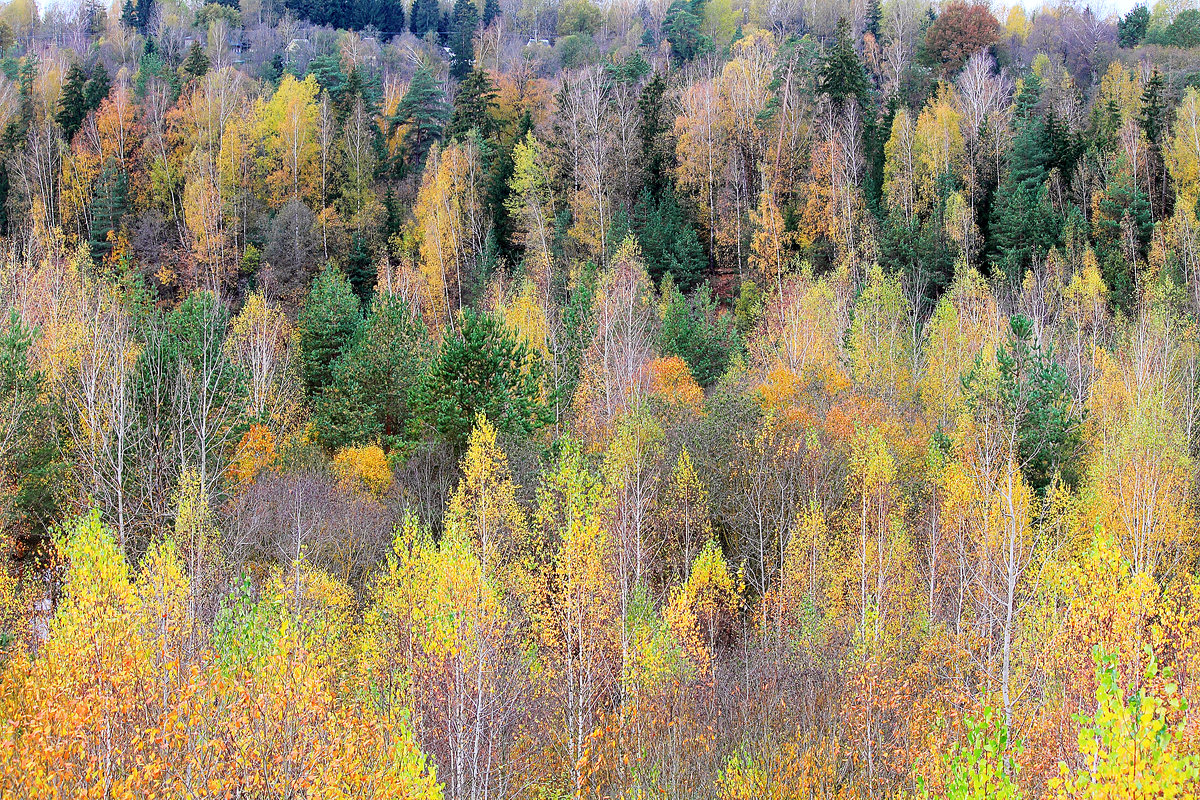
x=110, y=202
x=72, y=106
x=842, y=75
x=462, y=40
x=196, y=64
x=327, y=325
x=424, y=17
x=473, y=106
x=97, y=87
x=423, y=110
x=491, y=10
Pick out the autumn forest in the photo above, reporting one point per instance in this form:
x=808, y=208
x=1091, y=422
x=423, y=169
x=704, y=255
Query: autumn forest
x=546, y=399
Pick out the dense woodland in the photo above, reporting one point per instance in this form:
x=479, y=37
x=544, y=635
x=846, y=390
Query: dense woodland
x=538, y=399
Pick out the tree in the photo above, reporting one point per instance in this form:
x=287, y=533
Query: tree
x=1131, y=28
x=97, y=87
x=697, y=330
x=683, y=29
x=30, y=470
x=327, y=326
x=959, y=32
x=474, y=105
x=422, y=112
x=1132, y=743
x=462, y=41
x=376, y=380
x=842, y=76
x=72, y=107
x=424, y=17
x=195, y=66
x=482, y=369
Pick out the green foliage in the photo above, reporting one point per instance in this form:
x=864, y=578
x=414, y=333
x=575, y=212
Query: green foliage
x=423, y=109
x=1032, y=397
x=1131, y=28
x=842, y=75
x=375, y=380
x=72, y=108
x=31, y=472
x=462, y=45
x=985, y=767
x=684, y=30
x=424, y=17
x=473, y=106
x=1132, y=746
x=327, y=325
x=481, y=368
x=696, y=330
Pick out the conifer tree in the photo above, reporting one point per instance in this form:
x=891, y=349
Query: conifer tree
x=424, y=17
x=72, y=107
x=462, y=40
x=491, y=10
x=196, y=64
x=423, y=110
x=97, y=88
x=842, y=75
x=483, y=369
x=473, y=106
x=328, y=323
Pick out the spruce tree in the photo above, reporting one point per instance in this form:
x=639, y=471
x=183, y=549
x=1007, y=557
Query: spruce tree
x=842, y=76
x=424, y=17
x=376, y=380
x=462, y=40
x=491, y=10
x=109, y=204
x=196, y=64
x=72, y=106
x=327, y=324
x=97, y=88
x=473, y=106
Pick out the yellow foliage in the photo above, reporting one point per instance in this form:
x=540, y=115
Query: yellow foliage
x=364, y=467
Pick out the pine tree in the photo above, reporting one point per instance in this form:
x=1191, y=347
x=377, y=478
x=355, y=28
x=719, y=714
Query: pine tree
x=423, y=110
x=483, y=369
x=376, y=380
x=473, y=106
x=842, y=75
x=72, y=106
x=462, y=41
x=328, y=322
x=424, y=17
x=196, y=64
x=1131, y=28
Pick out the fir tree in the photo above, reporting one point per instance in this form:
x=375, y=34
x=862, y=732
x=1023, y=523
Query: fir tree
x=109, y=204
x=97, y=88
x=424, y=17
x=376, y=380
x=491, y=10
x=72, y=106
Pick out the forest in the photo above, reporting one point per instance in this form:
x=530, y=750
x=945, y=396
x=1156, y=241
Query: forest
x=545, y=399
